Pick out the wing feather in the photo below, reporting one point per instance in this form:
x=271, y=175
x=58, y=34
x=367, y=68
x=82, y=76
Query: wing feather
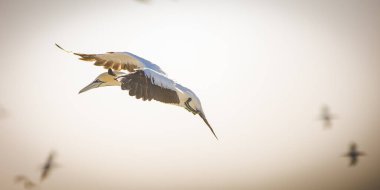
x=133, y=88
x=99, y=63
x=147, y=84
x=118, y=61
x=139, y=91
x=108, y=64
x=116, y=66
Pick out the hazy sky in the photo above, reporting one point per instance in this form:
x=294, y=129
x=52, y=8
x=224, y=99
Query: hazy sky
x=262, y=70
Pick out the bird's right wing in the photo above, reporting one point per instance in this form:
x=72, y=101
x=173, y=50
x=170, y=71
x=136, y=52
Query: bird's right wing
x=148, y=84
x=117, y=61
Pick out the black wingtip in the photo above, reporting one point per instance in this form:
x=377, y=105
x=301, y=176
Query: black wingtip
x=63, y=49
x=59, y=46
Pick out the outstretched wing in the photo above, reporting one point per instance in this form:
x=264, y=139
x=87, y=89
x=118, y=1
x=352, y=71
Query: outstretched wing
x=148, y=84
x=118, y=61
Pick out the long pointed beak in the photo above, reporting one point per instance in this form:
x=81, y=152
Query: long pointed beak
x=90, y=86
x=209, y=126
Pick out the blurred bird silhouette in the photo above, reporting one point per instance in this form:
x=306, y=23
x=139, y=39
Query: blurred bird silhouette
x=144, y=1
x=48, y=166
x=326, y=116
x=353, y=154
x=3, y=112
x=146, y=81
x=28, y=184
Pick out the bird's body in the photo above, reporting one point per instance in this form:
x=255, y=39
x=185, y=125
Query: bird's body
x=48, y=166
x=353, y=154
x=3, y=112
x=326, y=116
x=145, y=80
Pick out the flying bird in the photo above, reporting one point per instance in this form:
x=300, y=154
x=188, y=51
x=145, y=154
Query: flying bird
x=145, y=80
x=28, y=184
x=48, y=166
x=144, y=1
x=3, y=112
x=326, y=116
x=353, y=154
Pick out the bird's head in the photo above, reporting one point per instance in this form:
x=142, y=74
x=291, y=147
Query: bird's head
x=104, y=79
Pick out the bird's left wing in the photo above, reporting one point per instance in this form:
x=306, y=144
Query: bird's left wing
x=117, y=61
x=148, y=84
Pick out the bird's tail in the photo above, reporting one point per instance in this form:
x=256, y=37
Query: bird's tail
x=202, y=115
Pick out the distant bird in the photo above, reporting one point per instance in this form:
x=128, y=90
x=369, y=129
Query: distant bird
x=353, y=154
x=326, y=116
x=28, y=184
x=48, y=166
x=145, y=80
x=144, y=1
x=3, y=112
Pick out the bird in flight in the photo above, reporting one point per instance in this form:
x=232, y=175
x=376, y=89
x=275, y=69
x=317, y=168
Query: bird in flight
x=326, y=116
x=353, y=154
x=3, y=112
x=145, y=80
x=48, y=166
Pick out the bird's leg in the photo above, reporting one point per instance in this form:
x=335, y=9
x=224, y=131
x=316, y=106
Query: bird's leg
x=188, y=108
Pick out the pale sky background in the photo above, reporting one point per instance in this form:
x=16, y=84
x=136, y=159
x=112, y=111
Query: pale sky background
x=262, y=70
